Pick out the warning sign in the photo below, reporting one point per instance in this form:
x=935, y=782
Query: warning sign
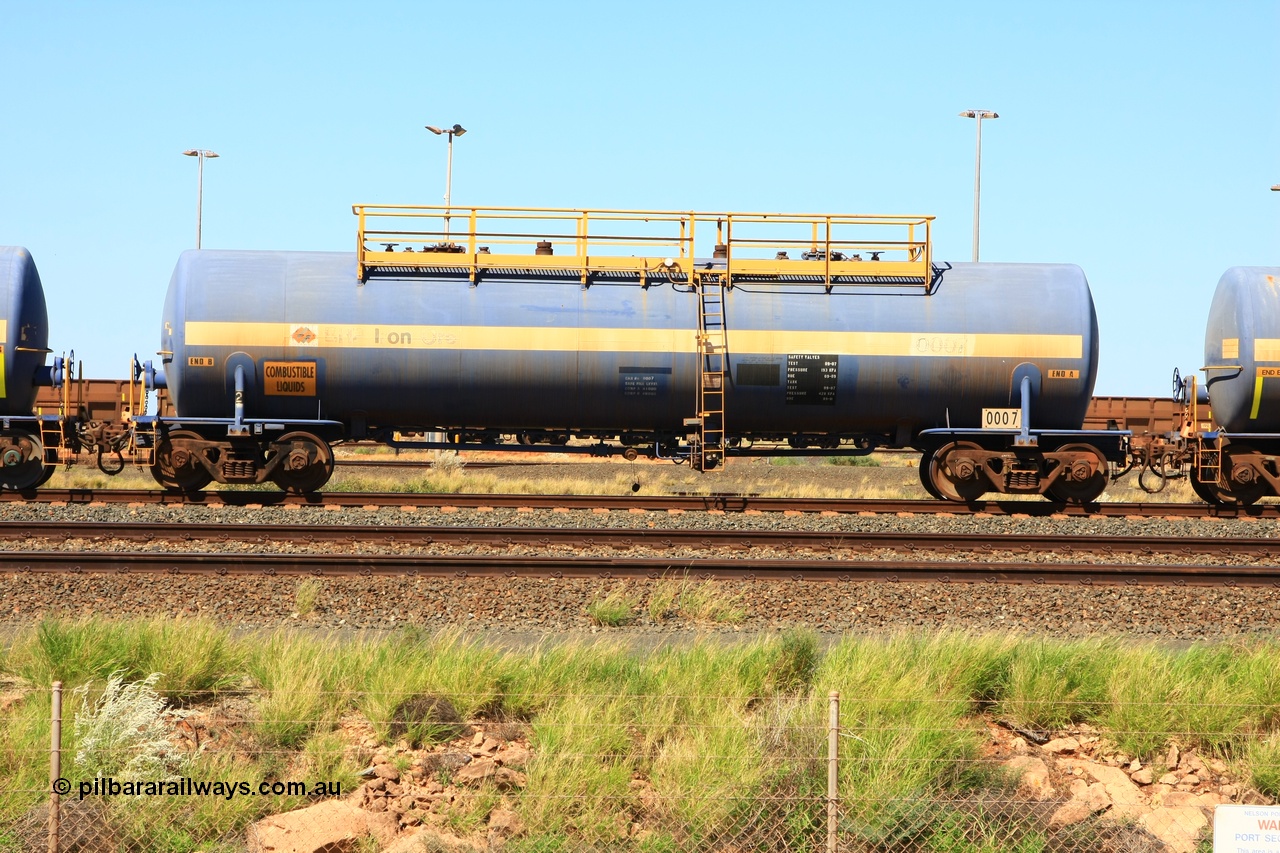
x=289, y=378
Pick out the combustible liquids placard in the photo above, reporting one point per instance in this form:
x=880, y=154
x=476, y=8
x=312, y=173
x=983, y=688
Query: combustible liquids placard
x=1246, y=829
x=289, y=378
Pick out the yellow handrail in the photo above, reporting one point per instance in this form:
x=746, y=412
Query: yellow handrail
x=834, y=248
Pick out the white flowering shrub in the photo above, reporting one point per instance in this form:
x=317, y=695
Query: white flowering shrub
x=446, y=461
x=122, y=735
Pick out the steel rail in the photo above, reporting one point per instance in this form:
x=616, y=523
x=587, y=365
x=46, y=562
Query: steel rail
x=324, y=565
x=357, y=462
x=475, y=465
x=720, y=502
x=1059, y=545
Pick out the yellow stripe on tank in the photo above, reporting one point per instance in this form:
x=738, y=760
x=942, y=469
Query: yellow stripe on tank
x=1261, y=374
x=4, y=336
x=929, y=344
x=303, y=336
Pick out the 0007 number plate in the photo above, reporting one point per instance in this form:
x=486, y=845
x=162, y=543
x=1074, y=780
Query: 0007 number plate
x=1002, y=418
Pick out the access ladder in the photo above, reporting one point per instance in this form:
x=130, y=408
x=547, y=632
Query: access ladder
x=712, y=352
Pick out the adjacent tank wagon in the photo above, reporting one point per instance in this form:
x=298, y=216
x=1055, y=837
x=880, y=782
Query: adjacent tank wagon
x=28, y=440
x=533, y=327
x=1236, y=461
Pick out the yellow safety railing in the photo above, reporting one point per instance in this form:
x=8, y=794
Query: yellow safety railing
x=832, y=249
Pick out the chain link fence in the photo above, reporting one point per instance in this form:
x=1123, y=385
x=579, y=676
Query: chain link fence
x=234, y=772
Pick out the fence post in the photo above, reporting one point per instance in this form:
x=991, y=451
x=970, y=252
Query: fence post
x=833, y=749
x=55, y=768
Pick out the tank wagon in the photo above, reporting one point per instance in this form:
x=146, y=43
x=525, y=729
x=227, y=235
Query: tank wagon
x=44, y=420
x=29, y=439
x=675, y=335
x=1236, y=460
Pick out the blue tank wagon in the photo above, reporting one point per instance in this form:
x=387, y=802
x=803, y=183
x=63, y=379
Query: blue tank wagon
x=28, y=440
x=1237, y=461
x=787, y=333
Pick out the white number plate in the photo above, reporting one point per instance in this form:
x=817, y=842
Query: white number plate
x=1002, y=418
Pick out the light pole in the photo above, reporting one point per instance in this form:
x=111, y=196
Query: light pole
x=977, y=171
x=456, y=130
x=200, y=156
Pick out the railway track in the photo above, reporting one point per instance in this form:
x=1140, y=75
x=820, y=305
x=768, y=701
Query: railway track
x=534, y=461
x=832, y=557
x=649, y=503
x=324, y=565
x=627, y=538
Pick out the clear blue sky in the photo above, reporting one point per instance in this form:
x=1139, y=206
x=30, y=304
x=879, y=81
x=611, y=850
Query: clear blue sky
x=1136, y=139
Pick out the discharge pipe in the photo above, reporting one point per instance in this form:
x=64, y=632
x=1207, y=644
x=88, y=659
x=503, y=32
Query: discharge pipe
x=239, y=429
x=50, y=375
x=1024, y=436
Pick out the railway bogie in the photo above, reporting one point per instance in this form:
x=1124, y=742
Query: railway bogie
x=188, y=459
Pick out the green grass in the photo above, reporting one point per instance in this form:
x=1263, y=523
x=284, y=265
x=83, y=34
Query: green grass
x=306, y=596
x=854, y=461
x=705, y=602
x=194, y=656
x=694, y=743
x=614, y=609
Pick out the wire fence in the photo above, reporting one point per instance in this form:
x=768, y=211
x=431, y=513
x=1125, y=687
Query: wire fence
x=234, y=772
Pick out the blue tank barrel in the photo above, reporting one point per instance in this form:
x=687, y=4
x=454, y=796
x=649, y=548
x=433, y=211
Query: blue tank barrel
x=531, y=351
x=24, y=329
x=1242, y=350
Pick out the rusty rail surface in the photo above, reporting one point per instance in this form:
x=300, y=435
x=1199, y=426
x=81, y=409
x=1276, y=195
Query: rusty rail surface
x=616, y=568
x=649, y=503
x=1059, y=545
x=824, y=563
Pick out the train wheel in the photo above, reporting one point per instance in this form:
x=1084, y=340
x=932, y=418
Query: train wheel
x=176, y=467
x=1082, y=489
x=946, y=484
x=307, y=463
x=21, y=461
x=926, y=457
x=1208, y=492
x=1216, y=493
x=1235, y=487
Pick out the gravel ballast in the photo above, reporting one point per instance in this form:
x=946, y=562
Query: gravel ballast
x=556, y=606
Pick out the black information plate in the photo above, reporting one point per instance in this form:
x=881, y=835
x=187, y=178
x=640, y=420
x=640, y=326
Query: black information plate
x=644, y=381
x=812, y=379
